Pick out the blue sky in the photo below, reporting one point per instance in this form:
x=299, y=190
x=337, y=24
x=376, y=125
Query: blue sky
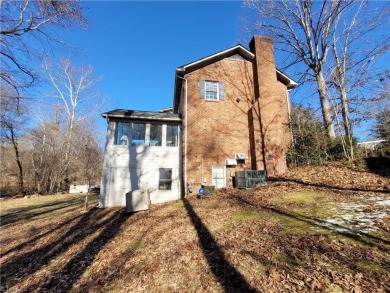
x=135, y=46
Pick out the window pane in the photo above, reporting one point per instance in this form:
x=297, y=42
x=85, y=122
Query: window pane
x=155, y=134
x=122, y=133
x=211, y=90
x=172, y=135
x=138, y=134
x=165, y=174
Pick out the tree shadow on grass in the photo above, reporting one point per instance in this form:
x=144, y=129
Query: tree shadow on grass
x=26, y=264
x=227, y=275
x=39, y=236
x=20, y=214
x=362, y=237
x=321, y=185
x=75, y=267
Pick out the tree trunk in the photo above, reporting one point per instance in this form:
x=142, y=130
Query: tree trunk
x=325, y=108
x=17, y=158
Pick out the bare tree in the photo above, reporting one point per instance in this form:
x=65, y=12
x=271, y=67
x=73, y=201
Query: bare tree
x=303, y=31
x=25, y=32
x=76, y=100
x=354, y=52
x=12, y=121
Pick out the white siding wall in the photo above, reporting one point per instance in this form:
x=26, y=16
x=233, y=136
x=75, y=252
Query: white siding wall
x=128, y=168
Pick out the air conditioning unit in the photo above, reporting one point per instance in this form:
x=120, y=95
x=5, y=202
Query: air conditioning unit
x=241, y=156
x=137, y=200
x=231, y=162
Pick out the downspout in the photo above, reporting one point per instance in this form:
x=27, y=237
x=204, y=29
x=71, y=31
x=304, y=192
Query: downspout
x=185, y=136
x=289, y=115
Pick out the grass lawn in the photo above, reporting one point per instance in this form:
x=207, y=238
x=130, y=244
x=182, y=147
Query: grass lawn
x=313, y=230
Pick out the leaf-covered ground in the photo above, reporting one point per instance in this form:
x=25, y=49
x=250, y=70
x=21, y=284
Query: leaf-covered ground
x=316, y=229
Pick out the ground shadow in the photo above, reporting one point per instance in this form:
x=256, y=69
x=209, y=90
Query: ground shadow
x=75, y=267
x=21, y=214
x=378, y=165
x=322, y=185
x=27, y=263
x=321, y=224
x=227, y=275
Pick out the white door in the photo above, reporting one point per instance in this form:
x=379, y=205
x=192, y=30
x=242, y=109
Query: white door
x=219, y=176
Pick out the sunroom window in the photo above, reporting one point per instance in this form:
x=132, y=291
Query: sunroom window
x=122, y=133
x=155, y=134
x=138, y=134
x=172, y=135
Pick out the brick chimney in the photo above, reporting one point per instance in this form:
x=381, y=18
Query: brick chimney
x=269, y=114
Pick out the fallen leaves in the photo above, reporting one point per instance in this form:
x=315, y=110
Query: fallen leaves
x=260, y=239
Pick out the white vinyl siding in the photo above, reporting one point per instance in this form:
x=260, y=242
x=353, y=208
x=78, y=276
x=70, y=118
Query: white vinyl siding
x=137, y=167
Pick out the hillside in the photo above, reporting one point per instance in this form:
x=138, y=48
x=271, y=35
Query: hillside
x=319, y=229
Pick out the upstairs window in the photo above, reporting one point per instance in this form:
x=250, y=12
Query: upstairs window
x=138, y=134
x=165, y=179
x=122, y=133
x=155, y=134
x=172, y=135
x=212, y=90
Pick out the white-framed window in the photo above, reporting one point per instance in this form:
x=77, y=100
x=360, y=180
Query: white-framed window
x=212, y=90
x=165, y=179
x=122, y=132
x=155, y=135
x=138, y=131
x=146, y=134
x=172, y=138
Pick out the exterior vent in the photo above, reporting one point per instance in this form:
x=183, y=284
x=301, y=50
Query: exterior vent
x=231, y=162
x=241, y=156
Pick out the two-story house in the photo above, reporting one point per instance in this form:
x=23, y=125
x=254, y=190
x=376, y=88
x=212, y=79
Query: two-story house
x=230, y=113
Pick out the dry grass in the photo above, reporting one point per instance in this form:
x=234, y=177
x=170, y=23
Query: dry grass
x=236, y=241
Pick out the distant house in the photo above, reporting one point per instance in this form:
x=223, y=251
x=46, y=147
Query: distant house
x=230, y=112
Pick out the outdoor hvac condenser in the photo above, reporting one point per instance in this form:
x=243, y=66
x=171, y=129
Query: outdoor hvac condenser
x=248, y=179
x=137, y=200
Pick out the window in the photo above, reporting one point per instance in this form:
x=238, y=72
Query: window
x=165, y=179
x=155, y=134
x=138, y=134
x=172, y=135
x=212, y=90
x=122, y=133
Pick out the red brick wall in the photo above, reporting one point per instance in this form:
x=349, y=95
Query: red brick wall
x=252, y=118
x=217, y=130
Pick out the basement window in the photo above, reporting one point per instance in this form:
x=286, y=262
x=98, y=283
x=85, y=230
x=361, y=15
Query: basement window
x=165, y=179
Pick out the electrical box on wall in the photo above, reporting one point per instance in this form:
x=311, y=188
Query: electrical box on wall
x=231, y=162
x=241, y=156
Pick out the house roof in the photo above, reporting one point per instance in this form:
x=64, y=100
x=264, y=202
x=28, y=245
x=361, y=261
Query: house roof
x=142, y=115
x=238, y=49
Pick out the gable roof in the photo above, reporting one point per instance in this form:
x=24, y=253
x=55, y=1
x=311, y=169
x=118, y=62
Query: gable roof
x=238, y=49
x=142, y=115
